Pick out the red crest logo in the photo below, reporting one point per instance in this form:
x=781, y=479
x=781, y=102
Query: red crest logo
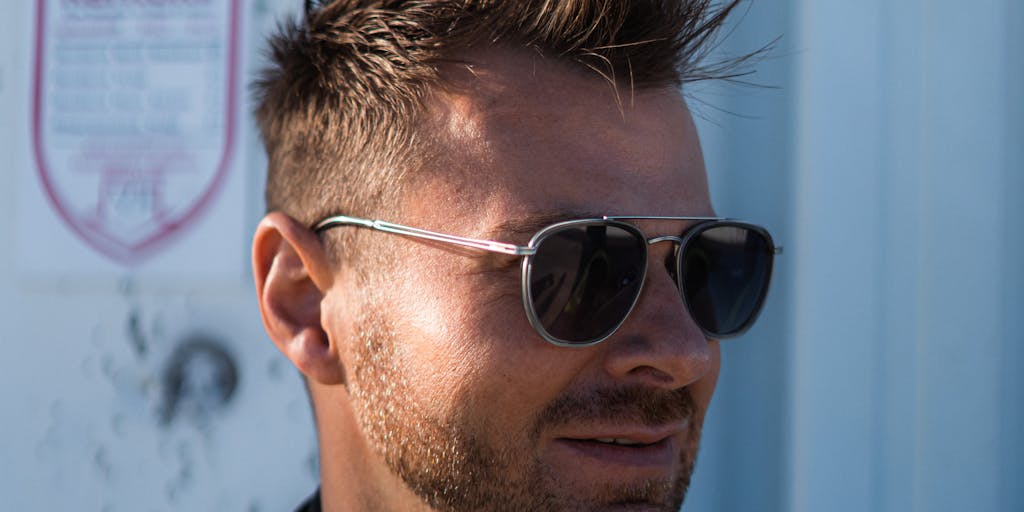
x=133, y=115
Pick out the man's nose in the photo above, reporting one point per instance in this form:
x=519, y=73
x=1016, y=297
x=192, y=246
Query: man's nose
x=660, y=344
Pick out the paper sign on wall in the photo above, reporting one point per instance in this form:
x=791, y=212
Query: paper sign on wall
x=133, y=116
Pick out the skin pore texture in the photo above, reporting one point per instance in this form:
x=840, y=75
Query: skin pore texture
x=431, y=389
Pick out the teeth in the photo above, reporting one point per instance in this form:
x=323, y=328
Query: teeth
x=623, y=442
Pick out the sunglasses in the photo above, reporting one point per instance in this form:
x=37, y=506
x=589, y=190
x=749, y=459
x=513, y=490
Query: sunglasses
x=582, y=278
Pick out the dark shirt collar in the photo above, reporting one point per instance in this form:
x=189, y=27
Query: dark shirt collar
x=312, y=504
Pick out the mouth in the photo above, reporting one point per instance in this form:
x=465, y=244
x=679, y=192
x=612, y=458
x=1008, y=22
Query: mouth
x=641, y=449
x=620, y=442
x=624, y=453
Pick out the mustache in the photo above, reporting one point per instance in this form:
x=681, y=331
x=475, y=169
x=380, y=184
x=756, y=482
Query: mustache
x=633, y=404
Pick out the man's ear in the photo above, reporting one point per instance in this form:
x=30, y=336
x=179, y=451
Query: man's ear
x=292, y=275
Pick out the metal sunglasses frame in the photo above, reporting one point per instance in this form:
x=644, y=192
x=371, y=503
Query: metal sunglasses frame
x=704, y=223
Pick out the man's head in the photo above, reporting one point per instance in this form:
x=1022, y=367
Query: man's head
x=486, y=120
x=342, y=110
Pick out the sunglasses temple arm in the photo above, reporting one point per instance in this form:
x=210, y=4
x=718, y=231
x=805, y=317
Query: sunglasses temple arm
x=398, y=229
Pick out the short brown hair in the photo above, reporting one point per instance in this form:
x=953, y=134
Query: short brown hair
x=339, y=105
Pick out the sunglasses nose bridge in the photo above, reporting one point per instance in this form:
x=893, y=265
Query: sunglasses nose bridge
x=665, y=238
x=678, y=241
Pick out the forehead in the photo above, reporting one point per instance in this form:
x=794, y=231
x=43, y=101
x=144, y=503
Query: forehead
x=519, y=134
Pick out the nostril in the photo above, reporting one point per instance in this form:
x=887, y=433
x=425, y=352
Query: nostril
x=653, y=375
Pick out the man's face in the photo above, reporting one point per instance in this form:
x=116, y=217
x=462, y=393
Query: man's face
x=452, y=388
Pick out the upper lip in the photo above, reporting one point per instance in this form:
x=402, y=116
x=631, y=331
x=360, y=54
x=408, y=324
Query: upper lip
x=631, y=433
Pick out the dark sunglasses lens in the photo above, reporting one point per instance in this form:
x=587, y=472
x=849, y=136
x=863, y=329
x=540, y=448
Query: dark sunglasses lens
x=584, y=280
x=724, y=277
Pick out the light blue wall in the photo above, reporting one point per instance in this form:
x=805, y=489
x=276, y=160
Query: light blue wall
x=747, y=137
x=888, y=374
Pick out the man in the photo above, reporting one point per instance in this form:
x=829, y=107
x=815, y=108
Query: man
x=495, y=341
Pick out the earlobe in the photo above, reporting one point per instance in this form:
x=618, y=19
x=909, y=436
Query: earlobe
x=292, y=276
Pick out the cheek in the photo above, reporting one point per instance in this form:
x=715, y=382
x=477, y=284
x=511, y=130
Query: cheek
x=442, y=333
x=466, y=342
x=704, y=389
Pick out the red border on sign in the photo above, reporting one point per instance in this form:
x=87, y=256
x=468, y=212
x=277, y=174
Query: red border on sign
x=132, y=254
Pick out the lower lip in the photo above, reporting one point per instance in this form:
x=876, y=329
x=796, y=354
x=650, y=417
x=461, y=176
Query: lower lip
x=663, y=454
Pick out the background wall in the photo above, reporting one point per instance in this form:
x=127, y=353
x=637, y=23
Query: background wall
x=148, y=384
x=886, y=374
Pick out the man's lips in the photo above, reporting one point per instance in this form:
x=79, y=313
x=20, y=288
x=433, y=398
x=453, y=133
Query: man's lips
x=661, y=454
x=649, y=447
x=634, y=434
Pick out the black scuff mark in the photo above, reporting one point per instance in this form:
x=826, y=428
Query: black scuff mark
x=176, y=487
x=199, y=380
x=136, y=336
x=101, y=461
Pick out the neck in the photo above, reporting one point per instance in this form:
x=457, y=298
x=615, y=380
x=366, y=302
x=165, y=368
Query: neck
x=354, y=476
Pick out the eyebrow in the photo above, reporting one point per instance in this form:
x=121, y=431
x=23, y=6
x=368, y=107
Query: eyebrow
x=531, y=223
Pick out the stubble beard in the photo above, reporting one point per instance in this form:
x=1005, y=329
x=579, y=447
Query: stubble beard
x=444, y=461
x=453, y=466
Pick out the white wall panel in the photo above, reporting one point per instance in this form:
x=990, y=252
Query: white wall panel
x=893, y=442
x=961, y=326
x=1011, y=393
x=901, y=392
x=746, y=135
x=836, y=312
x=87, y=371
